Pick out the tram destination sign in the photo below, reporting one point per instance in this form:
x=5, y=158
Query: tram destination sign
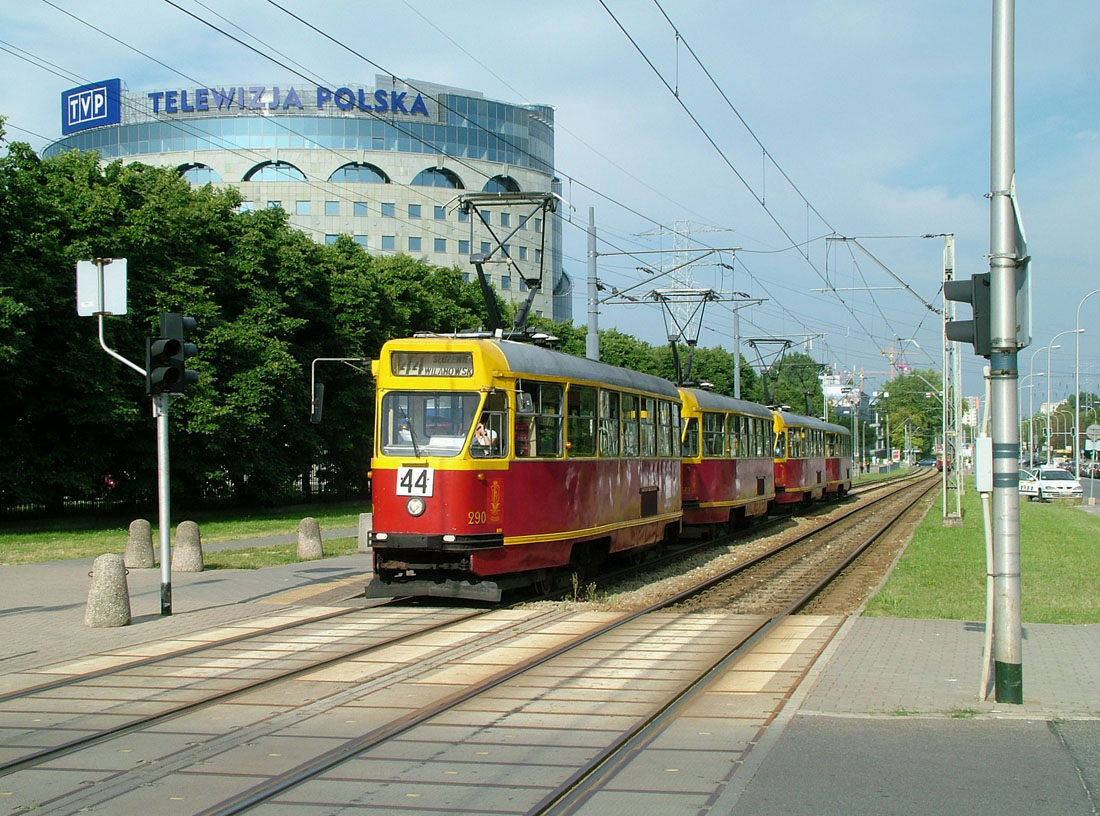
x=432, y=364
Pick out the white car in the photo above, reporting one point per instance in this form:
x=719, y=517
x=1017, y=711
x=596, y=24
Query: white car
x=1056, y=483
x=1029, y=484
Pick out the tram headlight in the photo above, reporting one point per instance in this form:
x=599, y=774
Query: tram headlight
x=415, y=506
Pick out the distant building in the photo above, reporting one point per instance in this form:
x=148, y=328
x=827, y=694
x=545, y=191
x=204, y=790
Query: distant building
x=971, y=414
x=382, y=164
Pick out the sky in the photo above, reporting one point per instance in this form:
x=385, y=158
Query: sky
x=813, y=142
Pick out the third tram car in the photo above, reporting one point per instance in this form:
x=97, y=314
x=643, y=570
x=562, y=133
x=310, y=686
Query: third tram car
x=812, y=458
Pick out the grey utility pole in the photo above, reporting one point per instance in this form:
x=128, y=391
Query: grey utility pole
x=1004, y=411
x=592, y=340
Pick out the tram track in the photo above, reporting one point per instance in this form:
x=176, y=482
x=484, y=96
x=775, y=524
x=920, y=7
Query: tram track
x=636, y=667
x=207, y=690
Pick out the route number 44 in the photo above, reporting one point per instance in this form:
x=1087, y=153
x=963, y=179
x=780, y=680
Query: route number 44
x=415, y=481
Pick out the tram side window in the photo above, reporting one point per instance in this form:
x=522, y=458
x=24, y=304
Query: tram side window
x=630, y=425
x=489, y=438
x=714, y=434
x=781, y=445
x=609, y=423
x=547, y=419
x=691, y=438
x=581, y=410
x=737, y=436
x=675, y=429
x=648, y=421
x=666, y=430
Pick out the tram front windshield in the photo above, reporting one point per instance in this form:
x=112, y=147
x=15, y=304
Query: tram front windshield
x=427, y=423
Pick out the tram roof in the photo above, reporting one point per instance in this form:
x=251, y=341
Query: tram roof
x=800, y=421
x=709, y=401
x=524, y=358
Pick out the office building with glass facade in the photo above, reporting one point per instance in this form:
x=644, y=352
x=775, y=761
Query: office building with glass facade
x=387, y=165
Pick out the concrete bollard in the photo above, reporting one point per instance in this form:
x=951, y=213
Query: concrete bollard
x=108, y=596
x=366, y=524
x=139, y=546
x=309, y=540
x=187, y=554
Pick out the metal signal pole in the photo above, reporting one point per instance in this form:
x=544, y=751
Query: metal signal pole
x=1003, y=263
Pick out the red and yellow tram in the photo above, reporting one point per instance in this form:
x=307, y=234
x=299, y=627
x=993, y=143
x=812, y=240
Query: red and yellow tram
x=500, y=464
x=812, y=458
x=727, y=466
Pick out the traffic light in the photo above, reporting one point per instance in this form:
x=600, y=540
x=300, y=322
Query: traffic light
x=166, y=356
x=978, y=331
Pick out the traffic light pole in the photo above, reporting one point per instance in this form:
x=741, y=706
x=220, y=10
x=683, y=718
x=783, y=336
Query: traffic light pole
x=164, y=523
x=1004, y=410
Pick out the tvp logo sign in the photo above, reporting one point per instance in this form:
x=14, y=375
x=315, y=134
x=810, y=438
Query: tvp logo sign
x=91, y=106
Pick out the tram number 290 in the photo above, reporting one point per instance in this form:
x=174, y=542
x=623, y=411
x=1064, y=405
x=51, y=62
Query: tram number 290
x=415, y=481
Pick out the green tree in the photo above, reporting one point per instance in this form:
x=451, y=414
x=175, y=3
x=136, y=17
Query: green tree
x=914, y=402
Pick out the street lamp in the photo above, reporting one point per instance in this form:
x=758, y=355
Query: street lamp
x=1030, y=414
x=1049, y=378
x=1077, y=393
x=1031, y=405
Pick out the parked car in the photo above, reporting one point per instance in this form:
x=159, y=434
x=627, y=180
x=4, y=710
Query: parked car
x=926, y=463
x=1056, y=483
x=1029, y=484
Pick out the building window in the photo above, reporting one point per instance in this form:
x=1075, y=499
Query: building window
x=301, y=208
x=330, y=238
x=389, y=209
x=414, y=243
x=485, y=218
x=389, y=242
x=440, y=213
x=332, y=208
x=275, y=171
x=438, y=177
x=538, y=225
x=523, y=222
x=414, y=211
x=505, y=281
x=359, y=174
x=538, y=256
x=508, y=250
x=274, y=205
x=505, y=219
x=463, y=217
x=440, y=244
x=248, y=206
x=361, y=240
x=199, y=174
x=523, y=253
x=501, y=184
x=484, y=247
x=522, y=284
x=463, y=247
x=359, y=209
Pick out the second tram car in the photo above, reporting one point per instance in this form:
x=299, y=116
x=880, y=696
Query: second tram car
x=727, y=466
x=812, y=458
x=500, y=464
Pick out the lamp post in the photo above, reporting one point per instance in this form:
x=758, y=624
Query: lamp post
x=1077, y=392
x=1031, y=405
x=1030, y=414
x=1049, y=378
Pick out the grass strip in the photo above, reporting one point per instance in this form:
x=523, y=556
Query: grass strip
x=942, y=573
x=34, y=546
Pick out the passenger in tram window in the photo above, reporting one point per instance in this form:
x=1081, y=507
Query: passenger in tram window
x=484, y=441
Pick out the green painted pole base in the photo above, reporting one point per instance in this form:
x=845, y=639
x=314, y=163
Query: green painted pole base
x=1009, y=682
